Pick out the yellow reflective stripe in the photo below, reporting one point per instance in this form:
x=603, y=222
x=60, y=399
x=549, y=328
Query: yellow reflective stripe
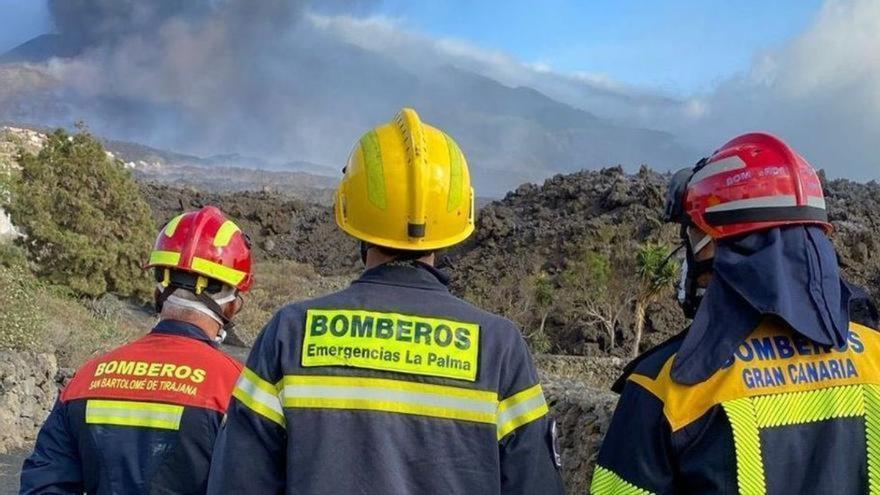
x=747, y=442
x=259, y=396
x=225, y=233
x=520, y=409
x=749, y=415
x=393, y=396
x=456, y=175
x=134, y=413
x=172, y=225
x=169, y=258
x=372, y=154
x=872, y=436
x=217, y=271
x=607, y=482
x=806, y=407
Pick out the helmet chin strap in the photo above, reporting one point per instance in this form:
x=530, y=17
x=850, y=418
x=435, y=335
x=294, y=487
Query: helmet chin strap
x=690, y=294
x=205, y=305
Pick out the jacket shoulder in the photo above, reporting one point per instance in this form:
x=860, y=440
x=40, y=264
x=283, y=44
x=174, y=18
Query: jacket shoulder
x=651, y=362
x=78, y=384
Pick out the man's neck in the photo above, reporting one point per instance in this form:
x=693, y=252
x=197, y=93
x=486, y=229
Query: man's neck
x=376, y=257
x=207, y=325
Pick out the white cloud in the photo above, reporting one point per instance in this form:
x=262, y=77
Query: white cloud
x=596, y=93
x=820, y=91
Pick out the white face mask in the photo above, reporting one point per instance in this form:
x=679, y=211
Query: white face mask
x=698, y=239
x=201, y=308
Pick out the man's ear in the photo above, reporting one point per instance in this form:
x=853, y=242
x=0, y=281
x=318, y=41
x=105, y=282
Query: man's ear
x=231, y=309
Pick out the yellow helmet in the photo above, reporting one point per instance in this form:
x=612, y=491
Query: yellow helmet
x=406, y=186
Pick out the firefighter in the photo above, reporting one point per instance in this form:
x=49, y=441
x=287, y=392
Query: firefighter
x=143, y=418
x=392, y=385
x=771, y=390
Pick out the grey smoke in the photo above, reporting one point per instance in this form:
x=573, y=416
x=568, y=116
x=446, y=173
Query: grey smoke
x=279, y=80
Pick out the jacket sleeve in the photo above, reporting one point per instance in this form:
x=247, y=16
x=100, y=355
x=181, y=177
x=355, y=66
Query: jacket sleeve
x=636, y=457
x=54, y=466
x=250, y=454
x=525, y=432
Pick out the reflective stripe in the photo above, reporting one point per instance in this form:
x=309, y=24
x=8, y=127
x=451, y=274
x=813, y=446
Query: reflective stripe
x=607, y=482
x=172, y=225
x=806, y=407
x=225, y=233
x=456, y=175
x=372, y=155
x=747, y=442
x=520, y=409
x=393, y=396
x=749, y=415
x=721, y=166
x=217, y=271
x=169, y=258
x=816, y=202
x=132, y=413
x=762, y=202
x=872, y=436
x=259, y=396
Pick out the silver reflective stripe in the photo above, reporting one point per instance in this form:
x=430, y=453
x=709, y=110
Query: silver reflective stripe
x=719, y=167
x=763, y=202
x=520, y=409
x=133, y=413
x=257, y=394
x=386, y=394
x=816, y=202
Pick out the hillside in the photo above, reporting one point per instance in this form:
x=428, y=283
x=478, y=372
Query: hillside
x=540, y=239
x=544, y=228
x=536, y=230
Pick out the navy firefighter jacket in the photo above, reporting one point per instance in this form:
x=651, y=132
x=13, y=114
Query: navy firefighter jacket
x=785, y=415
x=140, y=419
x=391, y=386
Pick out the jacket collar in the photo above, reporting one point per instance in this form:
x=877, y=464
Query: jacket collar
x=182, y=329
x=406, y=274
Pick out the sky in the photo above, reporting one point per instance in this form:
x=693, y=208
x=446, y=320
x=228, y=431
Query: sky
x=679, y=47
x=21, y=21
x=274, y=77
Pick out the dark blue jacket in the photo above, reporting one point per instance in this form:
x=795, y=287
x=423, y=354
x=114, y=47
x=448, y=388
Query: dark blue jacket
x=784, y=415
x=391, y=386
x=140, y=419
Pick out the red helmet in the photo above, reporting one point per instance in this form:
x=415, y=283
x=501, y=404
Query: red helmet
x=205, y=243
x=754, y=182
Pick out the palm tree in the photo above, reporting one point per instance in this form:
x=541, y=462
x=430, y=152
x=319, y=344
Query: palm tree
x=656, y=272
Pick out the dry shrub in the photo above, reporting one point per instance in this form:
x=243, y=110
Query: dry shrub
x=277, y=284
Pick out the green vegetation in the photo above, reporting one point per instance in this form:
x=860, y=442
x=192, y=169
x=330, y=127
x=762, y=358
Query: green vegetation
x=544, y=299
x=656, y=273
x=276, y=285
x=20, y=317
x=34, y=316
x=595, y=290
x=86, y=225
x=606, y=291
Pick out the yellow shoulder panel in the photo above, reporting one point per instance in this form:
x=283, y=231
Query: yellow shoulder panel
x=773, y=360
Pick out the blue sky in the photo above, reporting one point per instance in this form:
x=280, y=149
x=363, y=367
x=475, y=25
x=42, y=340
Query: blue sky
x=676, y=46
x=21, y=21
x=679, y=46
